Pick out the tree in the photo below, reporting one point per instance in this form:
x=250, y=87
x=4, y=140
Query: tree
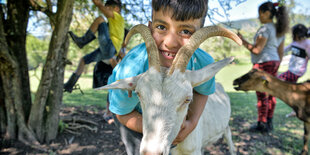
x=20, y=118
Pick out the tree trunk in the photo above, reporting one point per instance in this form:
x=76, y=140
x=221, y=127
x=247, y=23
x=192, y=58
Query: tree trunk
x=52, y=73
x=13, y=70
x=55, y=99
x=19, y=118
x=2, y=109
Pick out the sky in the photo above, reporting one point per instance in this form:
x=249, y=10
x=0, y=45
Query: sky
x=249, y=9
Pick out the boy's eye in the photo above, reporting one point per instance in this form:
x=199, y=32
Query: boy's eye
x=186, y=32
x=161, y=27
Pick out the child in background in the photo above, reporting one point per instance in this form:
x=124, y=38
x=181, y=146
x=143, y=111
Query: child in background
x=300, y=48
x=110, y=37
x=266, y=54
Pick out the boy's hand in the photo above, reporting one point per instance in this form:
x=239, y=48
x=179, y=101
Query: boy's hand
x=240, y=35
x=186, y=128
x=105, y=10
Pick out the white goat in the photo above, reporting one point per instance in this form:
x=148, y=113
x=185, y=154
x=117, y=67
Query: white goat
x=165, y=94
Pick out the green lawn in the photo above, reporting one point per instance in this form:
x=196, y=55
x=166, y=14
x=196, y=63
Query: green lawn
x=76, y=98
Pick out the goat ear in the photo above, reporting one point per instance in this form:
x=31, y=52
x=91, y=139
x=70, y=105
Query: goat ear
x=124, y=84
x=198, y=77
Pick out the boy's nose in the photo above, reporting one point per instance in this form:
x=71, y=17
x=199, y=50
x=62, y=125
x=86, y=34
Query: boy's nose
x=171, y=41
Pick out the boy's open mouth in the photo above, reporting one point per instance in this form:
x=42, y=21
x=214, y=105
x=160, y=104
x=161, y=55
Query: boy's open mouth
x=168, y=55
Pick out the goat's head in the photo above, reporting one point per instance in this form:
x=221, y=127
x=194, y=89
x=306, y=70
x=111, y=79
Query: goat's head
x=253, y=80
x=165, y=93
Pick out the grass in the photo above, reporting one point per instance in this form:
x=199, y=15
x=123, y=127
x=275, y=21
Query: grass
x=76, y=98
x=287, y=132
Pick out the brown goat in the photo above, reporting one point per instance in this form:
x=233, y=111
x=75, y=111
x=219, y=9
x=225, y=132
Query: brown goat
x=297, y=96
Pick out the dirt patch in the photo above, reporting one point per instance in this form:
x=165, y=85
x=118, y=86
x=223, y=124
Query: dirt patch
x=104, y=139
x=94, y=139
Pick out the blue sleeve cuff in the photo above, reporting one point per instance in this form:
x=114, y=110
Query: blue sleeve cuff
x=206, y=88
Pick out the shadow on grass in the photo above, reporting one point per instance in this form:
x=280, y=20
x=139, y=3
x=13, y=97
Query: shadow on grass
x=286, y=138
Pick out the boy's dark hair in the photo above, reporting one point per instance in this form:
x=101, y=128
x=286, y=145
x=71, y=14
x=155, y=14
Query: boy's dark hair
x=114, y=3
x=279, y=11
x=183, y=9
x=299, y=31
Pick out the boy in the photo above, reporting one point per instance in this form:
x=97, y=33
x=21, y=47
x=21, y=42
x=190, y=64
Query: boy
x=110, y=38
x=173, y=23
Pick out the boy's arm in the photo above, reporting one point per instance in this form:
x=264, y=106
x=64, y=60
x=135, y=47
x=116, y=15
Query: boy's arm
x=194, y=112
x=107, y=12
x=132, y=121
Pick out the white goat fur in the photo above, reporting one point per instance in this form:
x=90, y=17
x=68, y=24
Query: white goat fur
x=165, y=99
x=213, y=123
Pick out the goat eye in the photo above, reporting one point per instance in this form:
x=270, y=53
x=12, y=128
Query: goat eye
x=187, y=100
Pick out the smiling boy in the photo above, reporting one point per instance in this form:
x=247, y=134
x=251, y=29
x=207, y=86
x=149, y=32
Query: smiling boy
x=173, y=23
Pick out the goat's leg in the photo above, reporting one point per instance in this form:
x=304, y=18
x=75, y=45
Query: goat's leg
x=306, y=138
x=228, y=138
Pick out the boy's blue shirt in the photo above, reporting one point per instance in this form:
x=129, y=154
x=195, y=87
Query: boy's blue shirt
x=135, y=63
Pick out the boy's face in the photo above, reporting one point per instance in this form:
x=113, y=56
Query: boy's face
x=170, y=35
x=113, y=8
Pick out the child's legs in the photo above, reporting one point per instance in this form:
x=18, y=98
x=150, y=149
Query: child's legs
x=94, y=56
x=272, y=68
x=272, y=106
x=266, y=104
x=80, y=67
x=262, y=106
x=108, y=105
x=87, y=59
x=94, y=26
x=288, y=76
x=105, y=43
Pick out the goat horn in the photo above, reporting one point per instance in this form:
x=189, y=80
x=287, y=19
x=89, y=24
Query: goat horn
x=150, y=44
x=185, y=53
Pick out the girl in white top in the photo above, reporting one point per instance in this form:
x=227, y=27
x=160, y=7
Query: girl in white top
x=300, y=48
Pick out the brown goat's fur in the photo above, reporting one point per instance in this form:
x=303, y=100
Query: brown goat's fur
x=297, y=96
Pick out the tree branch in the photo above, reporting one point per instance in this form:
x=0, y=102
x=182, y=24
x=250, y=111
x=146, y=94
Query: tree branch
x=35, y=6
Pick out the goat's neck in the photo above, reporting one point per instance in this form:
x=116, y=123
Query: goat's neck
x=289, y=93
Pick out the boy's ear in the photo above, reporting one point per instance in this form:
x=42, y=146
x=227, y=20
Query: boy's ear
x=117, y=9
x=150, y=25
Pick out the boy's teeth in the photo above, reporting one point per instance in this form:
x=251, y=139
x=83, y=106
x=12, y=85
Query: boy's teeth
x=169, y=54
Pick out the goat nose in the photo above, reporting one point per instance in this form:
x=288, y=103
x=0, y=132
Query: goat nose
x=236, y=82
